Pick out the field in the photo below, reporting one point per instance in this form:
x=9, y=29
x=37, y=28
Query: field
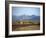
x=24, y=27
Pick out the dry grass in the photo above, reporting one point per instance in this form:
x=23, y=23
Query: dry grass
x=30, y=27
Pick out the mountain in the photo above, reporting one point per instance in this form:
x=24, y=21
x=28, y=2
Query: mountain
x=33, y=18
x=25, y=17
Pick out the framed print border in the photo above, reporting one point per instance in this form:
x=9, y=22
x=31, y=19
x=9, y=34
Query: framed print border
x=7, y=18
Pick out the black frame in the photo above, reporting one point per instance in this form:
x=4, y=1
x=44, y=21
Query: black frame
x=7, y=18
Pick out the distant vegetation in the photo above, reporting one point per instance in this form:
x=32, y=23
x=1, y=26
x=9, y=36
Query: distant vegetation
x=26, y=22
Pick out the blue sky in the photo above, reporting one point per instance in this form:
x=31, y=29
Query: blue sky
x=18, y=11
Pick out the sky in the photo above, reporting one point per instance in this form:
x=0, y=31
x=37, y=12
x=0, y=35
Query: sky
x=18, y=11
